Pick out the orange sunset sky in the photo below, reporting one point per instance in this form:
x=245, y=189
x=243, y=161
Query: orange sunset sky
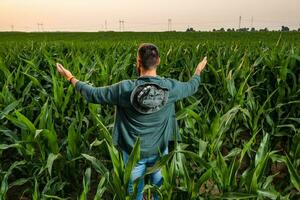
x=146, y=15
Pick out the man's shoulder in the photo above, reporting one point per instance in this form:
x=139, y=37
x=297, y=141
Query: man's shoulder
x=127, y=81
x=126, y=84
x=169, y=82
x=129, y=84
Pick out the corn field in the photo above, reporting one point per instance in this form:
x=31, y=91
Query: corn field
x=240, y=131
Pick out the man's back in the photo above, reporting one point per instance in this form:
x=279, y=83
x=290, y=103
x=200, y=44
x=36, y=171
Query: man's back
x=155, y=129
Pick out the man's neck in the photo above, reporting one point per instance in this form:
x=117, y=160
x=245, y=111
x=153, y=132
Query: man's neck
x=148, y=73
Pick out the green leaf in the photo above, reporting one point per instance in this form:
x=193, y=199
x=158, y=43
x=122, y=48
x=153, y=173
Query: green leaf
x=132, y=160
x=262, y=150
x=8, y=109
x=237, y=195
x=204, y=177
x=103, y=128
x=202, y=147
x=230, y=84
x=160, y=163
x=4, y=69
x=95, y=143
x=36, y=193
x=51, y=139
x=7, y=146
x=34, y=80
x=19, y=182
x=184, y=112
x=221, y=170
x=73, y=139
x=195, y=157
x=101, y=188
x=234, y=152
x=294, y=176
x=4, y=182
x=67, y=98
x=215, y=127
x=268, y=194
x=86, y=184
x=53, y=197
x=24, y=120
x=99, y=167
x=115, y=158
x=51, y=158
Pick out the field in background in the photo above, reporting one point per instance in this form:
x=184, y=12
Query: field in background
x=133, y=37
x=241, y=130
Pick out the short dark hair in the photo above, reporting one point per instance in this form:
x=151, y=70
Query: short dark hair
x=148, y=54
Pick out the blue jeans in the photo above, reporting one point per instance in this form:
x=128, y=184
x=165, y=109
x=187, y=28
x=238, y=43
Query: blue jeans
x=139, y=171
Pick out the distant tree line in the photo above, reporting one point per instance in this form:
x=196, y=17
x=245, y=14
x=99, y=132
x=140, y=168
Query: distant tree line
x=283, y=29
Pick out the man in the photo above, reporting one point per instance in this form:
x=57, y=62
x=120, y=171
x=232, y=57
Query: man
x=145, y=109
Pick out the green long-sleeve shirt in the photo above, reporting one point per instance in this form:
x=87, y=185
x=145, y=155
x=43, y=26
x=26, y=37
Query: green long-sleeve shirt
x=156, y=129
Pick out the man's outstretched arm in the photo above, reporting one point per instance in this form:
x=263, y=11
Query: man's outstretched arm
x=185, y=89
x=101, y=95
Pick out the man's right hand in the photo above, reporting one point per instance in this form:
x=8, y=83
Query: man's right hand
x=64, y=72
x=201, y=66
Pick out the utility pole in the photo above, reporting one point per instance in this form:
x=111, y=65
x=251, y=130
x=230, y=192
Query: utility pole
x=170, y=24
x=105, y=25
x=240, y=21
x=121, y=25
x=252, y=22
x=12, y=28
x=40, y=27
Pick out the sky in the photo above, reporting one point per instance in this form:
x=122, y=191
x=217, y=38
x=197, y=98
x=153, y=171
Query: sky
x=146, y=15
